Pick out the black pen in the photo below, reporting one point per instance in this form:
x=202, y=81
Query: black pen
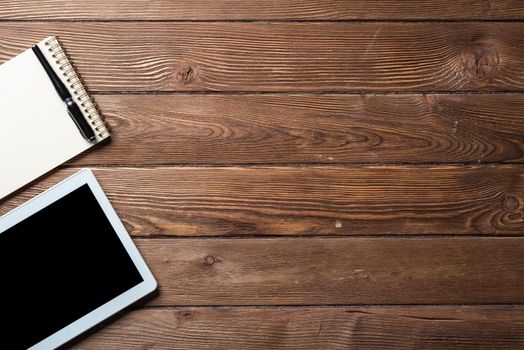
x=72, y=108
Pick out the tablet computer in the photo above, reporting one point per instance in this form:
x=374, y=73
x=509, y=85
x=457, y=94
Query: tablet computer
x=66, y=264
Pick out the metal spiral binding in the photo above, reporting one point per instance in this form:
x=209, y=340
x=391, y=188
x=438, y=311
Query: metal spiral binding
x=74, y=82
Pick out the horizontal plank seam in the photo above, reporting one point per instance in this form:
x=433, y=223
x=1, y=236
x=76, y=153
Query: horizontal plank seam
x=337, y=236
x=302, y=306
x=264, y=21
x=313, y=92
x=331, y=236
x=475, y=165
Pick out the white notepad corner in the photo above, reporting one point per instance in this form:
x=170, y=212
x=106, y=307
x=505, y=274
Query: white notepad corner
x=37, y=133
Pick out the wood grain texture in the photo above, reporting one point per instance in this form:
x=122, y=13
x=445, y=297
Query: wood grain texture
x=409, y=328
x=321, y=125
x=261, y=10
x=297, y=271
x=312, y=129
x=140, y=56
x=310, y=201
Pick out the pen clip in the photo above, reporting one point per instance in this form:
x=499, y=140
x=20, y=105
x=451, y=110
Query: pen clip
x=79, y=127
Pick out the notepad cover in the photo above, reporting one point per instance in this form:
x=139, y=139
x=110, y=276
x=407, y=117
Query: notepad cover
x=36, y=132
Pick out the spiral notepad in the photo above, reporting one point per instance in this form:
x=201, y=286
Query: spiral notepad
x=37, y=134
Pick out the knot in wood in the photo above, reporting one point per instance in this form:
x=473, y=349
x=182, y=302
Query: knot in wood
x=431, y=100
x=510, y=203
x=210, y=260
x=186, y=75
x=480, y=63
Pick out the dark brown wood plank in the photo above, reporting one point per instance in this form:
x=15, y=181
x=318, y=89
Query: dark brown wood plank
x=311, y=200
x=413, y=328
x=313, y=129
x=311, y=271
x=285, y=56
x=261, y=10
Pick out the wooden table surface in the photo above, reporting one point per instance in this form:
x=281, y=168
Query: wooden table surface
x=306, y=174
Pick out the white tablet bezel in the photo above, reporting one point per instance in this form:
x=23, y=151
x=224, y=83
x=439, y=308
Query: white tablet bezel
x=149, y=284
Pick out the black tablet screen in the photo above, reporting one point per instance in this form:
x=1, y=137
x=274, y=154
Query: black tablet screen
x=58, y=265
